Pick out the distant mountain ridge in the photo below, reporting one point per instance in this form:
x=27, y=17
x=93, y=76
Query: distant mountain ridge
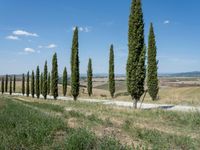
x=183, y=74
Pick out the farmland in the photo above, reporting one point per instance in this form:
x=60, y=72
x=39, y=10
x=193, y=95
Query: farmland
x=173, y=90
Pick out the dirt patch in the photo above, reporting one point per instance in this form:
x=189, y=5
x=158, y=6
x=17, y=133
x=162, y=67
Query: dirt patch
x=124, y=138
x=72, y=123
x=68, y=109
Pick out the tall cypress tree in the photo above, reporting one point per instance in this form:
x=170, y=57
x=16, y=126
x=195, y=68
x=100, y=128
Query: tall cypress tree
x=2, y=85
x=75, y=66
x=152, y=79
x=27, y=85
x=54, y=77
x=89, y=77
x=23, y=84
x=111, y=72
x=37, y=82
x=136, y=56
x=10, y=85
x=65, y=81
x=41, y=83
x=45, y=78
x=33, y=84
x=49, y=84
x=14, y=84
x=6, y=84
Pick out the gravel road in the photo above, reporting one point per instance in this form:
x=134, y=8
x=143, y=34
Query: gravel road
x=169, y=107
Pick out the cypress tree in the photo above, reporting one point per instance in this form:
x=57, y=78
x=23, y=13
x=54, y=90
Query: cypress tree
x=33, y=84
x=45, y=78
x=111, y=72
x=10, y=85
x=37, y=82
x=6, y=85
x=41, y=83
x=89, y=77
x=23, y=84
x=152, y=79
x=49, y=84
x=75, y=66
x=65, y=81
x=27, y=85
x=136, y=57
x=2, y=85
x=14, y=84
x=54, y=77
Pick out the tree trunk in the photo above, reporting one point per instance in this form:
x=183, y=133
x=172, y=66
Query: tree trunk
x=134, y=102
x=75, y=98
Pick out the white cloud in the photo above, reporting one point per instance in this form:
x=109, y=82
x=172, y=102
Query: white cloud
x=166, y=22
x=51, y=46
x=83, y=29
x=24, y=33
x=29, y=50
x=12, y=37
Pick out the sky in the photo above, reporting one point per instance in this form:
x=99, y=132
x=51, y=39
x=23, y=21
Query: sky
x=31, y=31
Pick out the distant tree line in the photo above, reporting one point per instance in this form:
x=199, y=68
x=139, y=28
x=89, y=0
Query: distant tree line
x=46, y=83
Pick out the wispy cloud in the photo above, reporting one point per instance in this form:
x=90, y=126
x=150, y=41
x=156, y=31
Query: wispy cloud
x=29, y=50
x=50, y=46
x=24, y=33
x=83, y=29
x=12, y=37
x=166, y=22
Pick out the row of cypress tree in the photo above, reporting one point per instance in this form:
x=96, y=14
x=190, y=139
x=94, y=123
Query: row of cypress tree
x=42, y=83
x=12, y=84
x=135, y=69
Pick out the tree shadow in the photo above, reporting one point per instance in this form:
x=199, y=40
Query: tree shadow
x=160, y=107
x=166, y=107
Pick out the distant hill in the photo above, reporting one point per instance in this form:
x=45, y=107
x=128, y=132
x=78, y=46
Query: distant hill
x=104, y=75
x=183, y=74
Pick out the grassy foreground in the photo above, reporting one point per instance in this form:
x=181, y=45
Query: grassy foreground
x=38, y=124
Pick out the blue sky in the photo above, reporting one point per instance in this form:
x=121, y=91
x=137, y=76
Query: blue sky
x=32, y=30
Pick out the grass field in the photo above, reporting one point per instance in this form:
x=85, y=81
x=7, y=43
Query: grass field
x=46, y=124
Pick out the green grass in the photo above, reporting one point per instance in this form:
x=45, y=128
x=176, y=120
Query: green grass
x=160, y=140
x=45, y=106
x=43, y=124
x=25, y=127
x=84, y=139
x=22, y=127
